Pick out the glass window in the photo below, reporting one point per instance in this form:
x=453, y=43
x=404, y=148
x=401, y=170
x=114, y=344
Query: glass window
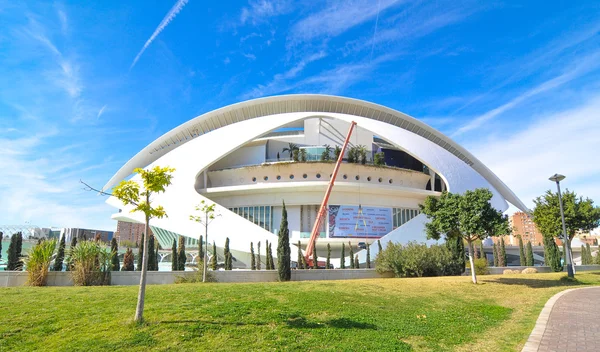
x=251, y=214
x=318, y=175
x=278, y=177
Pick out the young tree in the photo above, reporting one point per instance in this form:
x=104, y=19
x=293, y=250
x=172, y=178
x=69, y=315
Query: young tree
x=174, y=265
x=469, y=216
x=213, y=259
x=252, y=258
x=60, y=255
x=300, y=256
x=529, y=255
x=14, y=262
x=552, y=254
x=580, y=215
x=495, y=255
x=258, y=266
x=227, y=253
x=502, y=256
x=356, y=263
x=151, y=256
x=181, y=256
x=128, y=260
x=140, y=257
x=130, y=193
x=368, y=256
x=114, y=250
x=343, y=258
x=351, y=255
x=315, y=258
x=284, y=255
x=328, y=262
x=207, y=216
x=522, y=259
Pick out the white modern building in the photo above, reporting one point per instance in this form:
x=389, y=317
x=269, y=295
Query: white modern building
x=238, y=158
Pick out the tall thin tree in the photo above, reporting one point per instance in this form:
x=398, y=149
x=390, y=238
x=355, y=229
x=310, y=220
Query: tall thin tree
x=174, y=265
x=529, y=254
x=283, y=249
x=368, y=256
x=351, y=255
x=315, y=258
x=60, y=255
x=328, y=261
x=522, y=259
x=495, y=252
x=258, y=265
x=227, y=253
x=213, y=259
x=343, y=257
x=300, y=266
x=252, y=257
x=181, y=255
x=140, y=257
x=114, y=253
x=208, y=214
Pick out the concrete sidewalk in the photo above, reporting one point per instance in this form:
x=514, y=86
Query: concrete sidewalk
x=570, y=321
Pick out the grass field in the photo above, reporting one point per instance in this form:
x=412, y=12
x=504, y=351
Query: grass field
x=429, y=314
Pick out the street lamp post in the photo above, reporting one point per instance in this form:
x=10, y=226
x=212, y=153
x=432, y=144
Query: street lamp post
x=567, y=248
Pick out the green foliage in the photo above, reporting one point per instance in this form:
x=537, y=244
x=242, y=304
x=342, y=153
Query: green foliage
x=529, y=256
x=213, y=259
x=502, y=255
x=201, y=247
x=227, y=254
x=296, y=155
x=91, y=264
x=267, y=260
x=368, y=256
x=60, y=255
x=379, y=159
x=258, y=262
x=140, y=256
x=290, y=149
x=337, y=151
x=552, y=254
x=495, y=254
x=252, y=257
x=379, y=245
x=351, y=255
x=174, y=265
x=38, y=262
x=270, y=254
x=300, y=257
x=580, y=214
x=156, y=256
x=522, y=259
x=128, y=260
x=328, y=261
x=1, y=237
x=482, y=251
x=456, y=247
x=181, y=256
x=283, y=248
x=315, y=258
x=326, y=155
x=588, y=254
x=151, y=258
x=303, y=155
x=416, y=260
x=14, y=261
x=114, y=250
x=481, y=266
x=19, y=247
x=343, y=257
x=356, y=263
x=583, y=256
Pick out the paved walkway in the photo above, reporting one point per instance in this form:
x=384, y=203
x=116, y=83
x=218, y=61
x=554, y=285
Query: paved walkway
x=570, y=321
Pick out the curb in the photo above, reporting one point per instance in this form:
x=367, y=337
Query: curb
x=534, y=340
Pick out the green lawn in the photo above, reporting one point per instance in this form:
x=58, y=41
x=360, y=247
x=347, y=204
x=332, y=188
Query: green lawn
x=430, y=314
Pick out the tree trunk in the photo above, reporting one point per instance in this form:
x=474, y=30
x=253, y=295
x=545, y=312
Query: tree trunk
x=139, y=311
x=473, y=276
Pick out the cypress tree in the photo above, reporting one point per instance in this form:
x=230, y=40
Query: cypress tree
x=482, y=251
x=151, y=258
x=213, y=259
x=60, y=255
x=343, y=257
x=252, y=259
x=13, y=259
x=271, y=261
x=379, y=246
x=356, y=263
x=522, y=259
x=156, y=256
x=227, y=255
x=457, y=250
x=114, y=250
x=267, y=264
x=174, y=265
x=258, y=266
x=300, y=266
x=181, y=257
x=283, y=249
x=368, y=256
x=304, y=264
x=495, y=250
x=588, y=252
x=327, y=263
x=529, y=254
x=502, y=257
x=201, y=248
x=583, y=256
x=315, y=258
x=552, y=252
x=71, y=249
x=351, y=255
x=19, y=245
x=1, y=237
x=140, y=253
x=128, y=260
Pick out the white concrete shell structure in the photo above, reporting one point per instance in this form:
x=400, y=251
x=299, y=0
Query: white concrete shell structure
x=234, y=156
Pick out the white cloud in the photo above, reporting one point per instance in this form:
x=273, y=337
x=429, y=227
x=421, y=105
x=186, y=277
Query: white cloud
x=259, y=11
x=250, y=57
x=64, y=24
x=100, y=112
x=161, y=26
x=563, y=142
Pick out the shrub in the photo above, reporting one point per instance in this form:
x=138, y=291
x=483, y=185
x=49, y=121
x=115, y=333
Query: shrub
x=379, y=159
x=510, y=272
x=481, y=266
x=128, y=260
x=91, y=264
x=195, y=278
x=529, y=271
x=38, y=262
x=416, y=260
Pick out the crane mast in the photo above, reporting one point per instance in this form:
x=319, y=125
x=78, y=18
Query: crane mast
x=323, y=209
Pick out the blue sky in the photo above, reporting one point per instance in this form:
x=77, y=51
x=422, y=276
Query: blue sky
x=86, y=85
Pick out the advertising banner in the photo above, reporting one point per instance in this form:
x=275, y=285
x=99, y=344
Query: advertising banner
x=354, y=221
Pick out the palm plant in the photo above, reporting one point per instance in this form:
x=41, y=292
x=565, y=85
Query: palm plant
x=91, y=264
x=337, y=151
x=326, y=155
x=290, y=148
x=38, y=262
x=361, y=154
x=303, y=155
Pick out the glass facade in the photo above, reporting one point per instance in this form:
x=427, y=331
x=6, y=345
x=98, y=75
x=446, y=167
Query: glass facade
x=165, y=238
x=313, y=153
x=259, y=215
x=402, y=215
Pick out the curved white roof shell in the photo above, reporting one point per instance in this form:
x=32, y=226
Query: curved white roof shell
x=313, y=103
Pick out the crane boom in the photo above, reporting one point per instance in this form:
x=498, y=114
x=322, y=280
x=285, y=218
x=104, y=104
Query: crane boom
x=323, y=209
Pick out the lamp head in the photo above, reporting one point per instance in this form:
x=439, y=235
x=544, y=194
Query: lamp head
x=557, y=178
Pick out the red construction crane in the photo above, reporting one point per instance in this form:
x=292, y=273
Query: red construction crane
x=323, y=209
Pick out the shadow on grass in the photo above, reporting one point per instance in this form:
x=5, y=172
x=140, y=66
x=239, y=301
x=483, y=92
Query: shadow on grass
x=199, y=321
x=297, y=321
x=536, y=283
